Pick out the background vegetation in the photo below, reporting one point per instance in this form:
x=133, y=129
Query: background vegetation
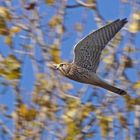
x=38, y=103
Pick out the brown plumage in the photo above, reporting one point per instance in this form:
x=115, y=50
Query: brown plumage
x=87, y=57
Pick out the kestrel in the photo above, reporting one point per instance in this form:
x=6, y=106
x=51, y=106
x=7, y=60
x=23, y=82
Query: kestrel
x=87, y=57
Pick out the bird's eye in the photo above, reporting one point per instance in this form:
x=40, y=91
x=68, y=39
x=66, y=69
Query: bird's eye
x=61, y=65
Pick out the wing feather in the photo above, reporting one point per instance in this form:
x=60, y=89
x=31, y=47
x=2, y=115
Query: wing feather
x=88, y=50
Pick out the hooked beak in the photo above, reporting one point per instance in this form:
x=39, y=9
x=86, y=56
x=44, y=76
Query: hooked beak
x=54, y=66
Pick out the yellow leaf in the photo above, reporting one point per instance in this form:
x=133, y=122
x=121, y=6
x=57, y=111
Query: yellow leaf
x=56, y=20
x=107, y=118
x=11, y=62
x=8, y=40
x=10, y=68
x=72, y=113
x=14, y=115
x=136, y=16
x=55, y=54
x=104, y=124
x=15, y=29
x=2, y=23
x=4, y=12
x=39, y=76
x=136, y=85
x=130, y=49
x=105, y=52
x=91, y=134
x=15, y=74
x=137, y=101
x=3, y=27
x=22, y=26
x=27, y=113
x=2, y=72
x=67, y=118
x=109, y=59
x=86, y=109
x=91, y=1
x=79, y=27
x=73, y=103
x=134, y=27
x=127, y=61
x=123, y=120
x=42, y=85
x=129, y=102
x=116, y=39
x=72, y=130
x=22, y=111
x=67, y=86
x=31, y=115
x=50, y=2
x=60, y=29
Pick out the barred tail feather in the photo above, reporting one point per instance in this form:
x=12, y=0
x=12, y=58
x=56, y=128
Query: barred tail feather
x=109, y=87
x=121, y=92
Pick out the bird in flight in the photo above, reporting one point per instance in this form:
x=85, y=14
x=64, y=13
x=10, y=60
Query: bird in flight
x=87, y=57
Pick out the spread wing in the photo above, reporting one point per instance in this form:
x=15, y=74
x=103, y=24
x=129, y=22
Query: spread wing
x=88, y=50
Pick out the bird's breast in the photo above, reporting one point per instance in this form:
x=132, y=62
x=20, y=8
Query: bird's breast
x=83, y=75
x=79, y=74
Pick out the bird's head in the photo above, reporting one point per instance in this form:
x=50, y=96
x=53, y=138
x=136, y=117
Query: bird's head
x=62, y=67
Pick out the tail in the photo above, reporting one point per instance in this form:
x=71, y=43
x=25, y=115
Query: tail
x=109, y=87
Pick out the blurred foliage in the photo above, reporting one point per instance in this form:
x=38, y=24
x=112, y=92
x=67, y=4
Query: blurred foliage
x=134, y=27
x=37, y=30
x=55, y=53
x=10, y=68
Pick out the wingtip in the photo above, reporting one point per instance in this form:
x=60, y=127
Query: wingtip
x=124, y=20
x=122, y=92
